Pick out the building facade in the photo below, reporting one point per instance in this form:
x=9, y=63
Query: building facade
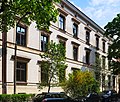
x=83, y=40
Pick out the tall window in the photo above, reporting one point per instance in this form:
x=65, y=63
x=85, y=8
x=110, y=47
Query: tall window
x=62, y=40
x=87, y=37
x=97, y=42
x=21, y=71
x=103, y=81
x=113, y=78
x=103, y=44
x=44, y=41
x=61, y=75
x=103, y=62
x=61, y=22
x=63, y=43
x=75, y=30
x=44, y=75
x=109, y=81
x=21, y=36
x=75, y=53
x=87, y=56
x=97, y=56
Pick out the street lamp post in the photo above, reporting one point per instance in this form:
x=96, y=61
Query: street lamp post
x=15, y=51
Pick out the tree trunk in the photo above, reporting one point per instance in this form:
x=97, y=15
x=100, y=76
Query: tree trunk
x=49, y=84
x=4, y=48
x=4, y=62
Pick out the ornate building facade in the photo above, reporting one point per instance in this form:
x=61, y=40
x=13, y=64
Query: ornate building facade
x=83, y=40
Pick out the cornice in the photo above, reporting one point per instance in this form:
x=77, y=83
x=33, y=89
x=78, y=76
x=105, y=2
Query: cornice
x=82, y=15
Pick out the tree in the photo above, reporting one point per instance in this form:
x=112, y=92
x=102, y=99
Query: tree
x=53, y=64
x=80, y=84
x=112, y=30
x=39, y=11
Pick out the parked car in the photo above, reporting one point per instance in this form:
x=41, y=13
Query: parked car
x=91, y=97
x=80, y=99
x=109, y=96
x=53, y=97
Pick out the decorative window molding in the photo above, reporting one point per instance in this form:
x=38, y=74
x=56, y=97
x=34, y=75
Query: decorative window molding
x=97, y=35
x=43, y=31
x=62, y=11
x=104, y=40
x=87, y=49
x=76, y=20
x=19, y=58
x=88, y=29
x=75, y=44
x=62, y=38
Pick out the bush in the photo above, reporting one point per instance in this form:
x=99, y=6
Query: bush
x=15, y=97
x=80, y=84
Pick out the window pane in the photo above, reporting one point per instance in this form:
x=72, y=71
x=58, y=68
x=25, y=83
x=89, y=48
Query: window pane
x=18, y=39
x=87, y=37
x=23, y=75
x=18, y=29
x=41, y=38
x=23, y=30
x=18, y=75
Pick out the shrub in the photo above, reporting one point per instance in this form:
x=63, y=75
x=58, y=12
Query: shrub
x=80, y=84
x=15, y=97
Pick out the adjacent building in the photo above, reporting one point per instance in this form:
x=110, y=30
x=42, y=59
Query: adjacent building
x=82, y=38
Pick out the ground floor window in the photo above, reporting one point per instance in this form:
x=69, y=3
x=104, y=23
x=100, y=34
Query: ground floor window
x=21, y=71
x=44, y=73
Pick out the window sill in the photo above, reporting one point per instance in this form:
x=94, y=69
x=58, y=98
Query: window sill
x=88, y=43
x=62, y=30
x=104, y=52
x=75, y=37
x=22, y=45
x=97, y=48
x=21, y=83
x=75, y=60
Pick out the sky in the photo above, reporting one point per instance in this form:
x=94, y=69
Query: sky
x=100, y=11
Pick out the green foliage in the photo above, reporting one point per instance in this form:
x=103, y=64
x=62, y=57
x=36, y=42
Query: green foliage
x=80, y=83
x=15, y=97
x=97, y=68
x=113, y=31
x=54, y=64
x=40, y=11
